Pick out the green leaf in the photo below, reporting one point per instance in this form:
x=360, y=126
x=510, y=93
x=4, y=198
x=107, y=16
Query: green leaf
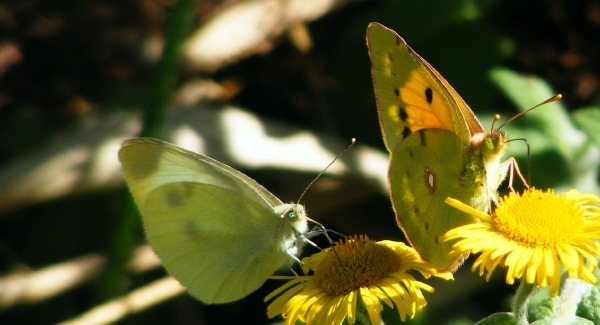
x=587, y=120
x=589, y=308
x=552, y=119
x=542, y=322
x=568, y=144
x=582, y=321
x=498, y=319
x=544, y=310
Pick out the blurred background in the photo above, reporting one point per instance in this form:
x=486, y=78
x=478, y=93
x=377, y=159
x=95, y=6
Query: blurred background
x=275, y=88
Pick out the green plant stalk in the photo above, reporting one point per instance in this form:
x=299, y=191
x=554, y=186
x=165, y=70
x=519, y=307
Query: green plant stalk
x=520, y=300
x=178, y=26
x=572, y=293
x=167, y=70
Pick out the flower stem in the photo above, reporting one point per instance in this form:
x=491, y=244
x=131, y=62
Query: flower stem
x=573, y=291
x=519, y=303
x=178, y=26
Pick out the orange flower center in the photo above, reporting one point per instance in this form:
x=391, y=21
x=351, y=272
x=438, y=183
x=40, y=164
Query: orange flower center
x=354, y=264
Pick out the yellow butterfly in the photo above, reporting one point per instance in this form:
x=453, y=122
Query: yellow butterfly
x=216, y=230
x=438, y=147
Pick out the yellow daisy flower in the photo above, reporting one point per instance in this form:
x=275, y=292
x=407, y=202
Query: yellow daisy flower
x=530, y=234
x=359, y=270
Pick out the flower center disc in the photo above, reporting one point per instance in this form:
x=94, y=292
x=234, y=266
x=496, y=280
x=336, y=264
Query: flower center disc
x=355, y=264
x=538, y=219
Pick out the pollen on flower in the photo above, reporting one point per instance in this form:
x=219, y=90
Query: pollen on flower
x=538, y=219
x=357, y=263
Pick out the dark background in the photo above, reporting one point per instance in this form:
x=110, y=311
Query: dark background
x=64, y=64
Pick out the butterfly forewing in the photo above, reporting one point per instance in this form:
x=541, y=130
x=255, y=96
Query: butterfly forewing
x=410, y=95
x=149, y=163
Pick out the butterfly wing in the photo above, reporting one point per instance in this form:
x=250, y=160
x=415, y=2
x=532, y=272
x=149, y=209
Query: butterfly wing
x=218, y=244
x=424, y=170
x=149, y=163
x=215, y=230
x=410, y=94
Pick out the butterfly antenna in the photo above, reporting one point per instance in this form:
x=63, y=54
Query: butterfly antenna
x=352, y=142
x=549, y=100
x=331, y=242
x=496, y=119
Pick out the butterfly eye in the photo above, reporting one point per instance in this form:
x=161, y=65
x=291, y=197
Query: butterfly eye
x=488, y=143
x=291, y=215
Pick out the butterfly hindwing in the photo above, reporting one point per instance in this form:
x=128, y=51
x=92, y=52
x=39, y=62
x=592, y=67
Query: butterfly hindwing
x=423, y=170
x=202, y=239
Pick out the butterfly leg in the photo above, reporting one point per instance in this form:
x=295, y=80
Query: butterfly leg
x=306, y=240
x=295, y=258
x=294, y=271
x=511, y=165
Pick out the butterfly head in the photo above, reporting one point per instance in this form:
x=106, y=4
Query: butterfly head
x=294, y=220
x=294, y=215
x=491, y=144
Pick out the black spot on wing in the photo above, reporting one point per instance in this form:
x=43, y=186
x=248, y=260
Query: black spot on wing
x=405, y=132
x=402, y=114
x=423, y=139
x=175, y=197
x=427, y=226
x=429, y=95
x=396, y=91
x=177, y=194
x=191, y=231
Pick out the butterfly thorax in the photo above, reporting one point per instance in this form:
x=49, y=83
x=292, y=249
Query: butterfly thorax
x=482, y=171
